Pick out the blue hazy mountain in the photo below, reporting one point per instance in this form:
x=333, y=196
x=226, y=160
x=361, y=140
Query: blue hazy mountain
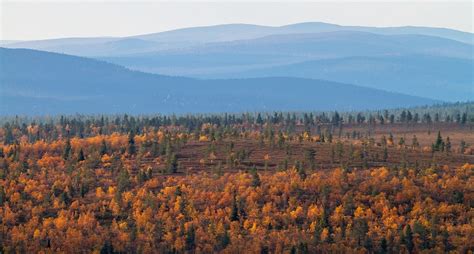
x=36, y=82
x=382, y=58
x=414, y=64
x=190, y=37
x=233, y=32
x=285, y=49
x=443, y=78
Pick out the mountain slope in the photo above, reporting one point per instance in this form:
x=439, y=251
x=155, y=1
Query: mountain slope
x=286, y=49
x=412, y=64
x=194, y=36
x=442, y=78
x=232, y=32
x=36, y=82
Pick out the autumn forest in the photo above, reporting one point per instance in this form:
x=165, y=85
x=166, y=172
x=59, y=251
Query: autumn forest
x=389, y=181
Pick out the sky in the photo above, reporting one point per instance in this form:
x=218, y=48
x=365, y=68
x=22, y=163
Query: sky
x=41, y=19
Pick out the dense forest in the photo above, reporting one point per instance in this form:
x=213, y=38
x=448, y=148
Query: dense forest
x=389, y=181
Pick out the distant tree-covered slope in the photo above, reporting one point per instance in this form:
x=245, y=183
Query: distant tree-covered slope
x=193, y=36
x=36, y=82
x=413, y=64
x=443, y=78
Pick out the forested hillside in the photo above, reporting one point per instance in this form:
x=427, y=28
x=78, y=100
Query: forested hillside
x=41, y=83
x=385, y=181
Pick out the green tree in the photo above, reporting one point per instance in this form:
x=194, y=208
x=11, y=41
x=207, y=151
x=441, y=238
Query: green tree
x=401, y=142
x=190, y=241
x=385, y=154
x=123, y=181
x=223, y=241
x=9, y=138
x=234, y=215
x=172, y=164
x=414, y=142
x=446, y=242
x=309, y=156
x=447, y=146
x=259, y=119
x=340, y=150
x=301, y=170
x=255, y=177
x=360, y=229
x=131, y=148
x=281, y=140
x=67, y=150
x=103, y=148
x=422, y=233
x=383, y=246
x=438, y=144
x=408, y=239
x=80, y=156
x=462, y=146
x=3, y=195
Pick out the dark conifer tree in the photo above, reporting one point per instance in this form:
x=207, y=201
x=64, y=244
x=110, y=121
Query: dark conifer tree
x=80, y=156
x=103, y=148
x=131, y=149
x=408, y=239
x=67, y=150
x=255, y=177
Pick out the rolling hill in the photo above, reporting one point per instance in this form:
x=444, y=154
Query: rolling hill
x=36, y=82
x=414, y=64
x=195, y=36
x=442, y=78
x=430, y=62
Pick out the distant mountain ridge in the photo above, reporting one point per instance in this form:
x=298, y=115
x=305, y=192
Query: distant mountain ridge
x=412, y=64
x=37, y=82
x=428, y=62
x=231, y=32
x=442, y=78
x=194, y=36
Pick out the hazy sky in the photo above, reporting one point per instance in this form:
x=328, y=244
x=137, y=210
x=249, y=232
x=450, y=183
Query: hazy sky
x=39, y=19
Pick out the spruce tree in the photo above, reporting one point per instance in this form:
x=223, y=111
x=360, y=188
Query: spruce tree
x=408, y=239
x=462, y=146
x=103, y=148
x=3, y=195
x=131, y=149
x=234, y=215
x=172, y=164
x=301, y=170
x=255, y=177
x=447, y=146
x=123, y=181
x=67, y=150
x=310, y=155
x=438, y=145
x=383, y=246
x=190, y=241
x=80, y=156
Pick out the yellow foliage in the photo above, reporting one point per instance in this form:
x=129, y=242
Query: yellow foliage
x=306, y=136
x=99, y=192
x=61, y=221
x=203, y=138
x=297, y=213
x=324, y=234
x=253, y=229
x=36, y=234
x=359, y=212
x=111, y=190
x=314, y=212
